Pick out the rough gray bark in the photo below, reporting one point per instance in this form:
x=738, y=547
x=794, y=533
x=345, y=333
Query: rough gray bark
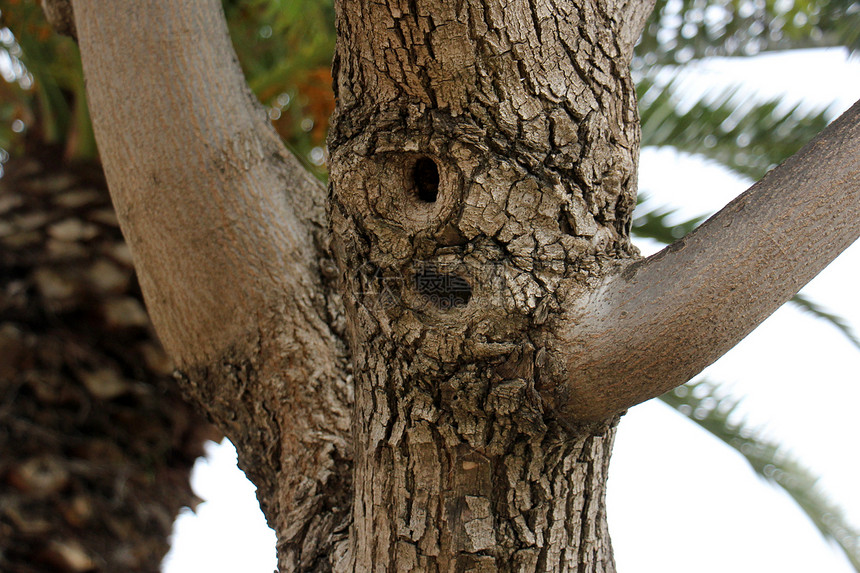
x=227, y=234
x=483, y=160
x=681, y=309
x=483, y=170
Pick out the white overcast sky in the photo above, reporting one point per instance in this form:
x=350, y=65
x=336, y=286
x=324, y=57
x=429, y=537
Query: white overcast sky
x=679, y=501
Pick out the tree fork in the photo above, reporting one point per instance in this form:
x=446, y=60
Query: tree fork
x=483, y=173
x=654, y=324
x=228, y=236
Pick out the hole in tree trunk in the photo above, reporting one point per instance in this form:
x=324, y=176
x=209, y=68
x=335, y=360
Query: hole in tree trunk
x=425, y=176
x=564, y=223
x=445, y=290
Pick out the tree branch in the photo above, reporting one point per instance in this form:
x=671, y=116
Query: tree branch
x=631, y=17
x=227, y=232
x=196, y=173
x=60, y=16
x=658, y=322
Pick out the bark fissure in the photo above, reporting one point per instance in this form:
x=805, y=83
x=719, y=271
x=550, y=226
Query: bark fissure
x=228, y=236
x=462, y=467
x=468, y=298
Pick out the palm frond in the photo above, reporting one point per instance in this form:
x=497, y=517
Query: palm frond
x=748, y=137
x=710, y=407
x=277, y=40
x=284, y=46
x=286, y=49
x=804, y=303
x=681, y=31
x=47, y=88
x=654, y=223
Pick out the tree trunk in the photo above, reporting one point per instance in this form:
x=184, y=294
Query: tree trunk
x=483, y=161
x=97, y=445
x=483, y=174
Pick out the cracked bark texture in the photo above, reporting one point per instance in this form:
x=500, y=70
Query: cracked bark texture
x=483, y=161
x=228, y=236
x=483, y=171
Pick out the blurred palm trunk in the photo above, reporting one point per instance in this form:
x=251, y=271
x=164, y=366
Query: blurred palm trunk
x=96, y=444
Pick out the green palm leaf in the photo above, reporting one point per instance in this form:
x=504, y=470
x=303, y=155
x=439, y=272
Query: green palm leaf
x=654, y=223
x=681, y=31
x=748, y=137
x=818, y=311
x=278, y=40
x=707, y=405
x=47, y=92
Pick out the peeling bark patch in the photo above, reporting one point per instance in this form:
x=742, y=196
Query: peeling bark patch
x=445, y=290
x=425, y=176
